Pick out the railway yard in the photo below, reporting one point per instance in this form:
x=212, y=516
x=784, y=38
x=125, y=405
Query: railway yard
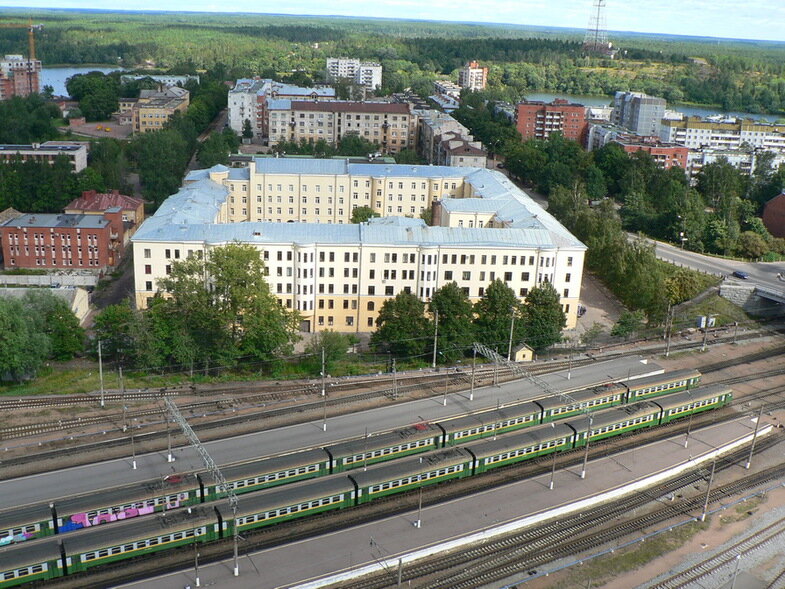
x=71, y=470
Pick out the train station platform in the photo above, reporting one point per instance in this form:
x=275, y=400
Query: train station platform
x=346, y=554
x=42, y=488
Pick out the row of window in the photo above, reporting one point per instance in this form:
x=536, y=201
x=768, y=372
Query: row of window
x=25, y=571
x=64, y=262
x=621, y=425
x=434, y=474
x=307, y=506
x=524, y=451
x=275, y=476
x=585, y=404
x=388, y=451
x=173, y=499
x=693, y=405
x=660, y=387
x=142, y=544
x=494, y=426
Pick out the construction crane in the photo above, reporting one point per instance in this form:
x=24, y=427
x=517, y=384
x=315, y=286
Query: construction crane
x=31, y=29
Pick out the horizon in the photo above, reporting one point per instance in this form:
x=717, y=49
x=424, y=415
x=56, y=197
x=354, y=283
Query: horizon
x=713, y=24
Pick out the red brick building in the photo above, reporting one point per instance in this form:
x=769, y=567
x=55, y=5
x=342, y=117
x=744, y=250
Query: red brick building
x=47, y=241
x=665, y=154
x=537, y=119
x=774, y=215
x=95, y=203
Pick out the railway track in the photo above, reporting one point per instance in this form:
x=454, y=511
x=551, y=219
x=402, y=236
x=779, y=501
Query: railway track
x=710, y=568
x=532, y=548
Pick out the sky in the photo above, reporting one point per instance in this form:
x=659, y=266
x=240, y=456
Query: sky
x=740, y=19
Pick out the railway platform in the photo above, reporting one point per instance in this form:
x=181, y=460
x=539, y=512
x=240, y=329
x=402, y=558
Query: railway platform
x=381, y=545
x=41, y=488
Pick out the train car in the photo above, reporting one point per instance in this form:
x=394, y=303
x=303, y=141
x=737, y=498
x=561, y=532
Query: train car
x=692, y=401
x=36, y=561
x=361, y=452
x=663, y=384
x=414, y=472
x=595, y=398
x=270, y=472
x=490, y=423
x=522, y=445
x=616, y=421
x=295, y=501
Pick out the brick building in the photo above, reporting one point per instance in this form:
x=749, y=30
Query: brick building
x=665, y=154
x=95, y=203
x=49, y=241
x=774, y=215
x=19, y=76
x=537, y=119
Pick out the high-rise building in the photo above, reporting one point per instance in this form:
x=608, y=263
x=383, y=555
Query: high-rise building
x=366, y=74
x=472, y=76
x=19, y=76
x=640, y=113
x=536, y=119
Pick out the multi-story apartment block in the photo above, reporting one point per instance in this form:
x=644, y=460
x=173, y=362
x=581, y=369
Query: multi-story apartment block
x=155, y=107
x=472, y=76
x=448, y=89
x=337, y=275
x=697, y=133
x=366, y=74
x=392, y=126
x=19, y=76
x=248, y=101
x=537, y=119
x=638, y=112
x=49, y=151
x=446, y=142
x=94, y=203
x=85, y=242
x=665, y=154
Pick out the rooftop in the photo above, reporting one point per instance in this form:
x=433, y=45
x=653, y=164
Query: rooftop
x=93, y=201
x=37, y=221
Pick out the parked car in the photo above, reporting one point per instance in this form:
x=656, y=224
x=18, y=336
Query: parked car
x=741, y=274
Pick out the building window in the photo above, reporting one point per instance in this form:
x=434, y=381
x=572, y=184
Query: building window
x=147, y=253
x=148, y=286
x=148, y=269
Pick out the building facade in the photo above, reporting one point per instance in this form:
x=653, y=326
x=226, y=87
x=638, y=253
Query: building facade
x=393, y=126
x=537, y=120
x=697, y=133
x=155, y=107
x=57, y=242
x=472, y=76
x=365, y=74
x=19, y=76
x=640, y=113
x=665, y=154
x=49, y=151
x=337, y=275
x=248, y=101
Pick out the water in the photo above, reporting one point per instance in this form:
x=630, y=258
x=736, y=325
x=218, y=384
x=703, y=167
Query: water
x=57, y=76
x=690, y=110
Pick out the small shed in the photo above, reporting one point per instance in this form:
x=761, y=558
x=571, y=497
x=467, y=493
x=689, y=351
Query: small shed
x=522, y=353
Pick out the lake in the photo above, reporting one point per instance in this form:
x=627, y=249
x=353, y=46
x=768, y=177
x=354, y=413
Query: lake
x=56, y=76
x=687, y=109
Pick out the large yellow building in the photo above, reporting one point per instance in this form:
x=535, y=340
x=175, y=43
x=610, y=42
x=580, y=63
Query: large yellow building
x=337, y=274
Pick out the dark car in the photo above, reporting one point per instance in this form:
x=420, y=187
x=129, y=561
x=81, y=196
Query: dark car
x=741, y=274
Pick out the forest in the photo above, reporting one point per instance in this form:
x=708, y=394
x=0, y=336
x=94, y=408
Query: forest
x=733, y=75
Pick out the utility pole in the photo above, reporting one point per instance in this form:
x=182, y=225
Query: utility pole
x=395, y=380
x=324, y=395
x=586, y=453
x=418, y=523
x=754, y=438
x=512, y=326
x=133, y=451
x=196, y=564
x=101, y=372
x=446, y=386
x=169, y=457
x=708, y=490
x=669, y=329
x=435, y=337
x=474, y=361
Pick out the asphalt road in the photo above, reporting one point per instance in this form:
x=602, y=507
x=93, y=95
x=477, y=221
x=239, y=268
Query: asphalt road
x=84, y=479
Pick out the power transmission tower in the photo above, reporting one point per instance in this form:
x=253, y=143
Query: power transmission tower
x=596, y=39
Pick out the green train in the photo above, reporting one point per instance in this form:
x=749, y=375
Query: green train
x=52, y=557
x=162, y=495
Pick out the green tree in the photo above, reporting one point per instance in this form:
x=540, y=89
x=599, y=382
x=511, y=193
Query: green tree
x=408, y=156
x=456, y=330
x=247, y=129
x=629, y=322
x=214, y=150
x=543, y=317
x=493, y=317
x=335, y=346
x=362, y=214
x=113, y=329
x=402, y=328
x=751, y=245
x=54, y=318
x=22, y=347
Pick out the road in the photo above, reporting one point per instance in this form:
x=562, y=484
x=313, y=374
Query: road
x=761, y=273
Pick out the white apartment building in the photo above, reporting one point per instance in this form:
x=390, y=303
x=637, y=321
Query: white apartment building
x=248, y=99
x=473, y=76
x=337, y=275
x=393, y=126
x=446, y=142
x=696, y=133
x=366, y=74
